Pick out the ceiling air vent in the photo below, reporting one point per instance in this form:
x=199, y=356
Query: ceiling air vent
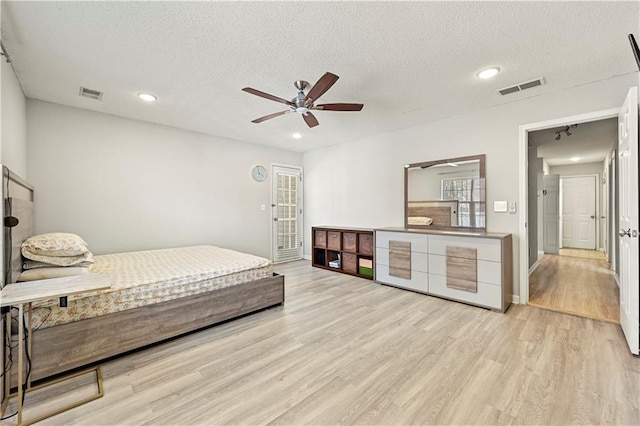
x=522, y=86
x=90, y=93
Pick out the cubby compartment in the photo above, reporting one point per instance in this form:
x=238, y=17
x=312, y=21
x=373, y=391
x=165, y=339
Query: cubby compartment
x=365, y=244
x=349, y=242
x=320, y=238
x=334, y=240
x=365, y=266
x=334, y=259
x=350, y=262
x=319, y=257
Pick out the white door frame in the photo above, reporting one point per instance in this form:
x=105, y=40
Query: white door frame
x=523, y=181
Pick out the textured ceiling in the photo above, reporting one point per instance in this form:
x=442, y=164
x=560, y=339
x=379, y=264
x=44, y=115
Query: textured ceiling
x=407, y=62
x=590, y=142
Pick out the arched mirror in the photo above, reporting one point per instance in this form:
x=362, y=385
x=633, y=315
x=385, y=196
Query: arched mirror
x=446, y=193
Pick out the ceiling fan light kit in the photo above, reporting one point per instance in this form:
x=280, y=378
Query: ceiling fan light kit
x=303, y=103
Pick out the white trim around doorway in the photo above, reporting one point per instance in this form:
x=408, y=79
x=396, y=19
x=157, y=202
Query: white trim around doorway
x=522, y=180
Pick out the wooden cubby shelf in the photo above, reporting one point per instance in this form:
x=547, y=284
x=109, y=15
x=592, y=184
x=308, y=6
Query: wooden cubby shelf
x=346, y=250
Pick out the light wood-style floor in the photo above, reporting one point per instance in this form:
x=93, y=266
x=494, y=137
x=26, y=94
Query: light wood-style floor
x=344, y=350
x=587, y=254
x=575, y=285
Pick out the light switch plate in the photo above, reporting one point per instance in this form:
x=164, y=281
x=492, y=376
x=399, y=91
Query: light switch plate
x=500, y=206
x=512, y=207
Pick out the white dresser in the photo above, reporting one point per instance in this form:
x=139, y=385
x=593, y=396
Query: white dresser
x=470, y=267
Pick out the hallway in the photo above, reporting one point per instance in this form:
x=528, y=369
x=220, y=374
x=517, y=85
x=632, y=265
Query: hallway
x=576, y=285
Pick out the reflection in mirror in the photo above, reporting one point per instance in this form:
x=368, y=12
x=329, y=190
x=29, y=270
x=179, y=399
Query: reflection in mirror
x=446, y=193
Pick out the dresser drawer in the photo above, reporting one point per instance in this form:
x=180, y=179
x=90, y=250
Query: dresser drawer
x=418, y=260
x=487, y=248
x=418, y=279
x=488, y=295
x=488, y=272
x=419, y=242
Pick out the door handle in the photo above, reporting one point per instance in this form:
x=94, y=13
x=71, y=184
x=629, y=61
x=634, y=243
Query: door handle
x=275, y=219
x=623, y=233
x=593, y=216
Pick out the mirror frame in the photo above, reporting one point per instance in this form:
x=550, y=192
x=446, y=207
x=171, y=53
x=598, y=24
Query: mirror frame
x=480, y=157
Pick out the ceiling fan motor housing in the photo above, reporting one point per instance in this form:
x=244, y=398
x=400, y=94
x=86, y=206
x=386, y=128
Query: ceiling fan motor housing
x=301, y=85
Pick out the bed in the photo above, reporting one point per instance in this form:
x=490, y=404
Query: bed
x=156, y=295
x=128, y=317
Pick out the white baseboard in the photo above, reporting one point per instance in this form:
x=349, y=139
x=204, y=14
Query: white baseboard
x=533, y=267
x=515, y=299
x=540, y=252
x=306, y=257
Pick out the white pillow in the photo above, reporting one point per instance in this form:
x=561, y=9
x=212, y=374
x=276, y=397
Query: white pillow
x=46, y=273
x=54, y=244
x=419, y=220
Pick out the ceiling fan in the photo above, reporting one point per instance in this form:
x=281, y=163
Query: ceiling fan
x=304, y=104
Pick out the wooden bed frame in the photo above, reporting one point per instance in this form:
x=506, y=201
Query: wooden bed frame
x=68, y=346
x=64, y=347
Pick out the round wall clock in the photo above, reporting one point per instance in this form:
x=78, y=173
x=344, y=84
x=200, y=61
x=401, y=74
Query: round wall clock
x=259, y=173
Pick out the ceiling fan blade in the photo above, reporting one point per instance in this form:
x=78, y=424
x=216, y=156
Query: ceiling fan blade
x=321, y=86
x=339, y=107
x=310, y=119
x=267, y=96
x=270, y=116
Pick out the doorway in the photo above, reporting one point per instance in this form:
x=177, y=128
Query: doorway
x=571, y=273
x=624, y=238
x=286, y=196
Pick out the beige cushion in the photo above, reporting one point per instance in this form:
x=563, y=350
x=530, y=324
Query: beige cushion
x=46, y=273
x=54, y=244
x=83, y=259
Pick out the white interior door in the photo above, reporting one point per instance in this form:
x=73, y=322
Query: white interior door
x=579, y=212
x=551, y=211
x=287, y=213
x=628, y=220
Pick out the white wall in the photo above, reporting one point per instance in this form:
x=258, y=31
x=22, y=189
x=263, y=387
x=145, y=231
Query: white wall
x=361, y=183
x=130, y=185
x=14, y=125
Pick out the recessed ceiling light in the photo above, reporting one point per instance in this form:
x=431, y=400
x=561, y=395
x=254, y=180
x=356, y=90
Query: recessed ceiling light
x=147, y=97
x=574, y=159
x=488, y=73
x=296, y=135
